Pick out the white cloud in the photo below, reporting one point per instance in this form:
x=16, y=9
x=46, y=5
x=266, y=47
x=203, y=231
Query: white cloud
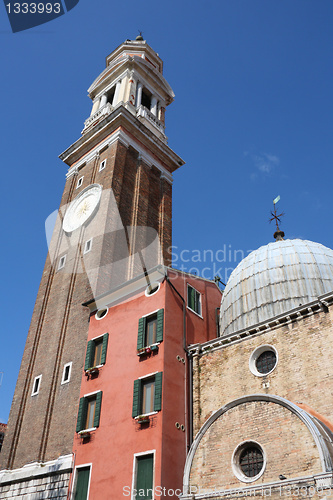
x=264, y=162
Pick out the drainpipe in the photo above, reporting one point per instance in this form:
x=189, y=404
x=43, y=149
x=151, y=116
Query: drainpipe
x=217, y=321
x=189, y=436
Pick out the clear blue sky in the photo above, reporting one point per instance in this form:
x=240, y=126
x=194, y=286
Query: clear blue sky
x=252, y=118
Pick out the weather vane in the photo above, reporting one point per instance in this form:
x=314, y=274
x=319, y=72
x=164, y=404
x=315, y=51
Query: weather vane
x=278, y=235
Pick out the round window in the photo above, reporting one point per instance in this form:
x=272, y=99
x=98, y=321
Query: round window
x=152, y=289
x=266, y=362
x=248, y=461
x=263, y=360
x=101, y=313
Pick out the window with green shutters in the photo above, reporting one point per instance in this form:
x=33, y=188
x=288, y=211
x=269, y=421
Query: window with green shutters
x=193, y=299
x=144, y=477
x=96, y=352
x=150, y=330
x=89, y=412
x=147, y=395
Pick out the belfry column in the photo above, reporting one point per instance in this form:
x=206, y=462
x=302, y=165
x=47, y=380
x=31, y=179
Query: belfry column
x=139, y=94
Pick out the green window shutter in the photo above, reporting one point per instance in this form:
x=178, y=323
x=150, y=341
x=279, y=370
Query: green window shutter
x=82, y=482
x=191, y=297
x=141, y=333
x=144, y=477
x=98, y=408
x=158, y=392
x=160, y=320
x=89, y=355
x=104, y=349
x=136, y=398
x=82, y=415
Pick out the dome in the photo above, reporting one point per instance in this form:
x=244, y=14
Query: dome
x=273, y=280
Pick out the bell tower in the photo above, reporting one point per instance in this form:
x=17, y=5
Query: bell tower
x=113, y=224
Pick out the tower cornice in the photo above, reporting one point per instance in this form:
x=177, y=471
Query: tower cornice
x=137, y=47
x=131, y=62
x=120, y=117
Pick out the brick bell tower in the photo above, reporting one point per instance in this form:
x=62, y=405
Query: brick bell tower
x=114, y=223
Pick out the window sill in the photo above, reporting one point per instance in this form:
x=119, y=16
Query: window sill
x=194, y=312
x=86, y=433
x=93, y=371
x=148, y=349
x=146, y=414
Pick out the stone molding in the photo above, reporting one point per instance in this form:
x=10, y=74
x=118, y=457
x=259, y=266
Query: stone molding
x=321, y=304
x=317, y=481
x=121, y=136
x=36, y=470
x=317, y=434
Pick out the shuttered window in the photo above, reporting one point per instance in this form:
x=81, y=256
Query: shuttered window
x=147, y=395
x=89, y=412
x=193, y=299
x=150, y=329
x=96, y=352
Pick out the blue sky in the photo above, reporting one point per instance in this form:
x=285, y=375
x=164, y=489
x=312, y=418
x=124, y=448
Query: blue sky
x=252, y=118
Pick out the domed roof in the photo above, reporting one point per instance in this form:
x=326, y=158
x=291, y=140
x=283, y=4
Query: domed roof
x=273, y=280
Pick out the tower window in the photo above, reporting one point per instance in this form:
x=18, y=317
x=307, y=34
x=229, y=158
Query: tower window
x=194, y=300
x=36, y=385
x=110, y=95
x=147, y=395
x=2, y=435
x=146, y=98
x=87, y=246
x=102, y=165
x=79, y=182
x=66, y=374
x=62, y=261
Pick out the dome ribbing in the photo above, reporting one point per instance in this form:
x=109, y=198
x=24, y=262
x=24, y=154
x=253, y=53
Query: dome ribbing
x=273, y=280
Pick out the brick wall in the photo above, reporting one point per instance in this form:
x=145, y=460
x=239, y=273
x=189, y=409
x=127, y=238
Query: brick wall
x=287, y=443
x=304, y=372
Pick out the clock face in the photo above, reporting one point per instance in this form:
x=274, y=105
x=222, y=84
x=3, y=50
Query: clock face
x=82, y=208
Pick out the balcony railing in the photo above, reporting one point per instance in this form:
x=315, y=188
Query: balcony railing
x=148, y=115
x=105, y=110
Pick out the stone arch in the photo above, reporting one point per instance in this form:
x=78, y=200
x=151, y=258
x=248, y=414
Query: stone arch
x=322, y=436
